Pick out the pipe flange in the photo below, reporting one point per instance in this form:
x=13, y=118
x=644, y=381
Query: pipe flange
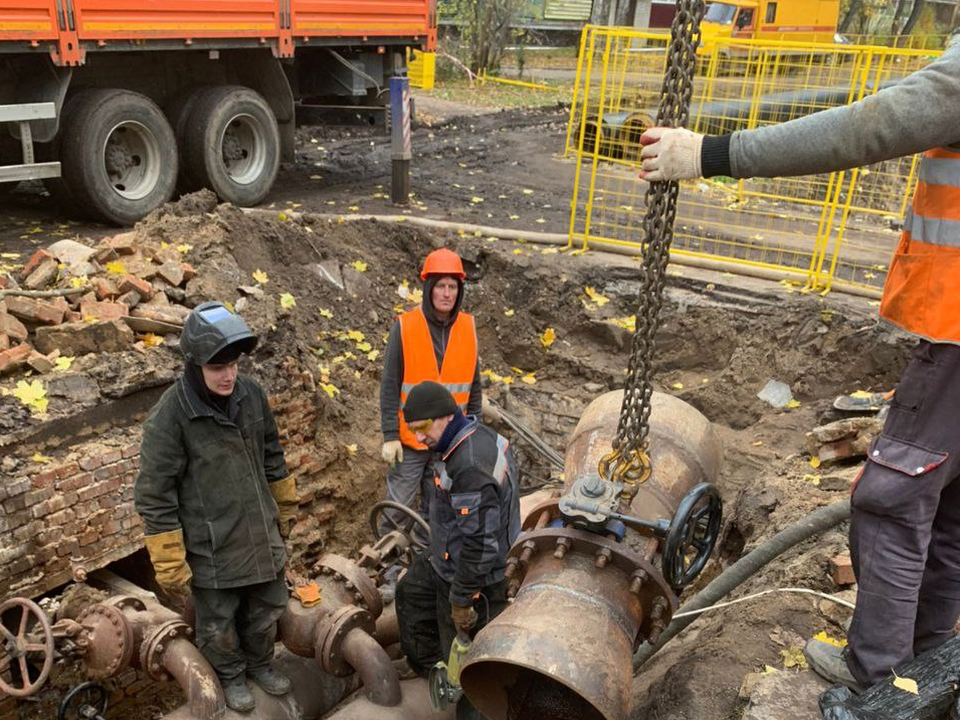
x=331, y=634
x=156, y=641
x=534, y=521
x=109, y=640
x=126, y=602
x=354, y=580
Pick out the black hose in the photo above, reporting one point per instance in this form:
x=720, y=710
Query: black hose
x=730, y=579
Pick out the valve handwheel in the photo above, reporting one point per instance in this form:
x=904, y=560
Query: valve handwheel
x=406, y=528
x=14, y=648
x=693, y=535
x=87, y=701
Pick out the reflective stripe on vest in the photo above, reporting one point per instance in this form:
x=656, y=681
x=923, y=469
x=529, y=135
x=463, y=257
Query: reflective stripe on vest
x=420, y=362
x=920, y=293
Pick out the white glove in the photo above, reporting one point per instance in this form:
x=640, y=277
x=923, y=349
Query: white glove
x=670, y=154
x=392, y=452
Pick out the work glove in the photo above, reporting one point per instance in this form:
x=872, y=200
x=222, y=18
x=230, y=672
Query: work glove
x=288, y=504
x=489, y=412
x=670, y=154
x=464, y=617
x=169, y=557
x=392, y=452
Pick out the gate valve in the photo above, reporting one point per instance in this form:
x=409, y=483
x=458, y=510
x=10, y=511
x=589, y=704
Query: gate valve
x=87, y=701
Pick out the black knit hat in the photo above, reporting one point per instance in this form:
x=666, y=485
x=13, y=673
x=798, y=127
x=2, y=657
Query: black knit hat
x=429, y=401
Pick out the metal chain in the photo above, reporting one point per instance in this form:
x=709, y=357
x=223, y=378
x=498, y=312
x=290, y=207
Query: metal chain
x=629, y=462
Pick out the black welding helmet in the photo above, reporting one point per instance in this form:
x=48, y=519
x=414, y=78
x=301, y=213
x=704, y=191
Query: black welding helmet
x=214, y=334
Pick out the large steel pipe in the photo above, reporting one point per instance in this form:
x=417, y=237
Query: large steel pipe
x=374, y=666
x=191, y=671
x=584, y=600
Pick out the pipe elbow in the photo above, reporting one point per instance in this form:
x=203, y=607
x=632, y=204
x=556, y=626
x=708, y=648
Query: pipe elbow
x=196, y=678
x=373, y=665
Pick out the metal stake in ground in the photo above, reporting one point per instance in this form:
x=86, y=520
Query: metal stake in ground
x=629, y=462
x=400, y=140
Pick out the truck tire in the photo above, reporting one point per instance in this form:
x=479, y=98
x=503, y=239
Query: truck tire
x=58, y=187
x=232, y=144
x=118, y=155
x=178, y=113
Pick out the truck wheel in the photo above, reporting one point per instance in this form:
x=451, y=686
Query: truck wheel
x=118, y=155
x=178, y=113
x=58, y=187
x=232, y=144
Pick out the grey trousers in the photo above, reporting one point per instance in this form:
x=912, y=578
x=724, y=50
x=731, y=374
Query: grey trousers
x=411, y=478
x=237, y=628
x=905, y=523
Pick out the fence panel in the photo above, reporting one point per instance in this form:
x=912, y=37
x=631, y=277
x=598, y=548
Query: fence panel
x=839, y=227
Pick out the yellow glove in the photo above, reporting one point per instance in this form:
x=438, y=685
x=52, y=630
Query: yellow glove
x=392, y=452
x=288, y=504
x=169, y=557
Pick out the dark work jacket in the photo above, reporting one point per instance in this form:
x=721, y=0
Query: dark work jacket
x=392, y=379
x=209, y=475
x=475, y=511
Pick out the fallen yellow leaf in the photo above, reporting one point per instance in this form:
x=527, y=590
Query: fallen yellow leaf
x=330, y=389
x=9, y=255
x=116, y=268
x=373, y=355
x=812, y=479
x=793, y=657
x=815, y=462
x=354, y=335
x=63, y=362
x=364, y=347
x=287, y=301
x=514, y=217
x=547, y=337
x=351, y=449
x=906, y=684
x=476, y=200
x=677, y=386
x=78, y=282
x=509, y=312
x=359, y=265
x=260, y=277
x=150, y=340
x=508, y=380
x=527, y=191
x=38, y=458
x=823, y=637
x=491, y=375
x=324, y=312
x=33, y=395
x=184, y=248
x=529, y=379
x=792, y=405
x=282, y=216
x=598, y=298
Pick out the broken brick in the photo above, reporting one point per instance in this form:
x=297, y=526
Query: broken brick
x=841, y=570
x=41, y=363
x=130, y=299
x=103, y=310
x=36, y=311
x=81, y=338
x=171, y=314
x=45, y=274
x=132, y=282
x=104, y=288
x=14, y=357
x=4, y=342
x=72, y=317
x=188, y=272
x=105, y=254
x=172, y=272
x=35, y=261
x=123, y=243
x=12, y=327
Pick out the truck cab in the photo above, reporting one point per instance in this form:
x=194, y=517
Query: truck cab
x=796, y=20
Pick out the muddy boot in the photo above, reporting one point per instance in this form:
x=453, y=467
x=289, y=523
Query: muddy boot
x=238, y=696
x=271, y=681
x=830, y=663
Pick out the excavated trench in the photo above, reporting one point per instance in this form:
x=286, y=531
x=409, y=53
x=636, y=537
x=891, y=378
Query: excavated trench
x=722, y=338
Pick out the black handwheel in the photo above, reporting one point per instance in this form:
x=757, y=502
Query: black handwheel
x=693, y=534
x=406, y=528
x=87, y=701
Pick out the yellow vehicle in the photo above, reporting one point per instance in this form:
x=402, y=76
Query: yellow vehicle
x=800, y=20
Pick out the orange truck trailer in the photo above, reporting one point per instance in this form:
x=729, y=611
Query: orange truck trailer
x=118, y=104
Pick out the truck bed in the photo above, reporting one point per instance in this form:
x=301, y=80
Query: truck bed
x=70, y=28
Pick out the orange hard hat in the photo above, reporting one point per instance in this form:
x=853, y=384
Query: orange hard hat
x=443, y=262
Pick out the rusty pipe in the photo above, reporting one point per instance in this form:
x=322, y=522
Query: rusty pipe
x=562, y=650
x=373, y=665
x=414, y=705
x=388, y=627
x=193, y=674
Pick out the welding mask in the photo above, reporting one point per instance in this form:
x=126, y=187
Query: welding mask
x=212, y=333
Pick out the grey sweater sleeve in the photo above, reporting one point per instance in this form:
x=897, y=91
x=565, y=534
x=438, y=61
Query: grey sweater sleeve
x=390, y=384
x=918, y=113
x=475, y=402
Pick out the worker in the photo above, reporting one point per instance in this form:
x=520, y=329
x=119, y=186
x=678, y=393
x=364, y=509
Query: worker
x=474, y=519
x=216, y=503
x=905, y=524
x=436, y=341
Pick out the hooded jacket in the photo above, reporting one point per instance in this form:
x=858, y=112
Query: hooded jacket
x=391, y=381
x=209, y=473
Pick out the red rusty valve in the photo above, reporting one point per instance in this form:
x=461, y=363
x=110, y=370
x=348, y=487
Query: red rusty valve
x=17, y=647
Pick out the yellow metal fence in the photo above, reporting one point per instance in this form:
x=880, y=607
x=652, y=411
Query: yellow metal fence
x=825, y=230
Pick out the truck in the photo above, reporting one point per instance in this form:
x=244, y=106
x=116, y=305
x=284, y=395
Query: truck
x=810, y=21
x=117, y=104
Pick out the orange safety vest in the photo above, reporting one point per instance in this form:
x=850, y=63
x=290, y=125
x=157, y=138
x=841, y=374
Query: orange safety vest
x=920, y=294
x=420, y=362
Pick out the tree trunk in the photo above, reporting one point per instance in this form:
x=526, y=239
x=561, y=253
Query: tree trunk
x=898, y=11
x=914, y=16
x=851, y=14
